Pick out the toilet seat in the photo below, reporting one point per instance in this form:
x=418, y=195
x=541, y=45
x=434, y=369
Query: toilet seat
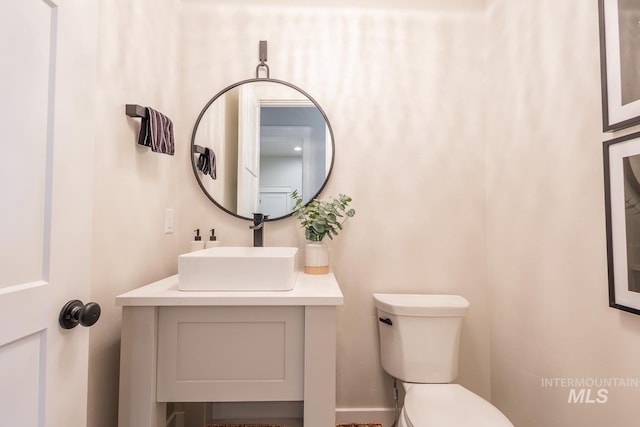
x=448, y=405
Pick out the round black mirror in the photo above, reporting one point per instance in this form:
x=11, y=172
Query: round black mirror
x=256, y=142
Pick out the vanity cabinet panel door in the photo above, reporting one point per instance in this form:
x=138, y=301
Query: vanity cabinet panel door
x=229, y=354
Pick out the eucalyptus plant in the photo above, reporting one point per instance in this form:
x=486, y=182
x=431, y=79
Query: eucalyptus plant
x=320, y=218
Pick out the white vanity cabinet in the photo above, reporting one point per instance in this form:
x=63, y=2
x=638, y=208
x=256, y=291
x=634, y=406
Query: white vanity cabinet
x=199, y=346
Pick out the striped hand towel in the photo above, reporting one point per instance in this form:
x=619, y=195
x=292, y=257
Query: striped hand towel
x=156, y=131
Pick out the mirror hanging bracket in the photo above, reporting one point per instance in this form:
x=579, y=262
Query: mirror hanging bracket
x=262, y=55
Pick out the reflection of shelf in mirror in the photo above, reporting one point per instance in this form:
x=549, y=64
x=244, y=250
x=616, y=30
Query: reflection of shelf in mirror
x=134, y=110
x=198, y=149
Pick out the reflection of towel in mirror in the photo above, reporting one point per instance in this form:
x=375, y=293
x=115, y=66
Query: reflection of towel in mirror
x=156, y=131
x=207, y=162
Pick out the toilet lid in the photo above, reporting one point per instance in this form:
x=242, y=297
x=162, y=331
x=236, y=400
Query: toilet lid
x=449, y=405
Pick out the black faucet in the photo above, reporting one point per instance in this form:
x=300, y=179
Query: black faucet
x=257, y=227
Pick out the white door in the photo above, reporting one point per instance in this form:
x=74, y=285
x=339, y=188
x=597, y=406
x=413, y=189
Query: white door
x=275, y=201
x=248, y=151
x=47, y=86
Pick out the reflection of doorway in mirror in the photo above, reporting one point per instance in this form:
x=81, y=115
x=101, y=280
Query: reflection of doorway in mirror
x=281, y=166
x=293, y=154
x=275, y=201
x=631, y=170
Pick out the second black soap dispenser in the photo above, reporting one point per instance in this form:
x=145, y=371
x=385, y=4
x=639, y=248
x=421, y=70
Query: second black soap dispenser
x=213, y=240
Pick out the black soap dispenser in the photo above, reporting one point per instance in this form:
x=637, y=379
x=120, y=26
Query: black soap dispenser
x=197, y=243
x=213, y=240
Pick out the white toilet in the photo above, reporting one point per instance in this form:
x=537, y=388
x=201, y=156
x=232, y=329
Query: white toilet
x=419, y=340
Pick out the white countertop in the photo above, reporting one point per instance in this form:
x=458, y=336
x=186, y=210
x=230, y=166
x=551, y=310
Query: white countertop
x=308, y=290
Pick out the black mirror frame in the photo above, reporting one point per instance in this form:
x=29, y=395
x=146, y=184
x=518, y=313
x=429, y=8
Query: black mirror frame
x=222, y=92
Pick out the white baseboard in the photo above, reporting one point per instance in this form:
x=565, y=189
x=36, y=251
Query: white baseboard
x=365, y=415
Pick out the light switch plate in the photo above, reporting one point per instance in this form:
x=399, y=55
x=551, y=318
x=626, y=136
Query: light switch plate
x=168, y=220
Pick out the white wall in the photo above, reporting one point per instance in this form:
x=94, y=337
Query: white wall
x=138, y=51
x=468, y=134
x=281, y=170
x=403, y=91
x=546, y=228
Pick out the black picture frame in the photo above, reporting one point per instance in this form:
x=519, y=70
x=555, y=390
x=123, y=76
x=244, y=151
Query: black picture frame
x=622, y=205
x=619, y=63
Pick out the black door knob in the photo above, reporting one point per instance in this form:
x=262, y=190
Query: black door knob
x=74, y=313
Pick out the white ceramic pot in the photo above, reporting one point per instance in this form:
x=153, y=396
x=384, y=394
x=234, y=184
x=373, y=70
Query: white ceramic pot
x=316, y=258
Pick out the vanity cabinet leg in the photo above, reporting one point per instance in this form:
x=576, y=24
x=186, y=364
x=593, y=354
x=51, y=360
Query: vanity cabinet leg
x=139, y=345
x=320, y=366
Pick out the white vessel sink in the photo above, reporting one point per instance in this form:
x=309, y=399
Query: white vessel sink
x=238, y=269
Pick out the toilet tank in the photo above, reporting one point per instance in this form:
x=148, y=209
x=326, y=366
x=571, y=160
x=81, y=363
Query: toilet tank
x=420, y=335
